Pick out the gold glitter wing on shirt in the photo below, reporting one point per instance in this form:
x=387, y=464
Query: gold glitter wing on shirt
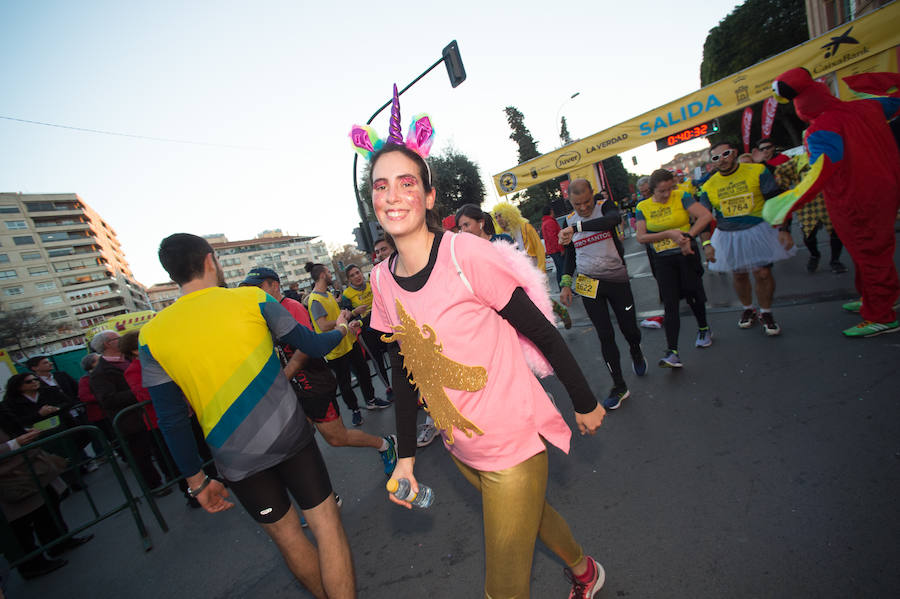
x=431, y=371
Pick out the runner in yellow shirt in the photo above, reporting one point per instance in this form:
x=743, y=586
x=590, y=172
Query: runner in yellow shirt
x=743, y=242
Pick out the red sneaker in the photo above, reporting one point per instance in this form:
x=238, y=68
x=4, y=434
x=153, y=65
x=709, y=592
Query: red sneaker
x=586, y=590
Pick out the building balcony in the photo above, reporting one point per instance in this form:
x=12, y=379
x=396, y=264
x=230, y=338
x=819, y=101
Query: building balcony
x=103, y=310
x=57, y=212
x=86, y=299
x=53, y=226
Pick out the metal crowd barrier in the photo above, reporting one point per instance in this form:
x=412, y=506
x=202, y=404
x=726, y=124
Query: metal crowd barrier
x=147, y=492
x=14, y=552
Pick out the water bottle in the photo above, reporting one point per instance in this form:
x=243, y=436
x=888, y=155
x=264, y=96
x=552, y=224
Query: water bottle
x=400, y=488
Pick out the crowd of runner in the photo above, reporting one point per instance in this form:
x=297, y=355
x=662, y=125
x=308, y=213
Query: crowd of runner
x=457, y=318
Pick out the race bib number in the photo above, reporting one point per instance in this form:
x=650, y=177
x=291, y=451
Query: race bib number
x=663, y=245
x=734, y=206
x=586, y=286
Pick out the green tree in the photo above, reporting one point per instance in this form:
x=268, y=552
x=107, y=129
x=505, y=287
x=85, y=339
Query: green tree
x=564, y=134
x=752, y=32
x=24, y=328
x=534, y=198
x=454, y=176
x=617, y=177
x=457, y=181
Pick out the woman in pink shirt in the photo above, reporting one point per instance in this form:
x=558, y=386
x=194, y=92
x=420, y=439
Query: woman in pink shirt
x=456, y=310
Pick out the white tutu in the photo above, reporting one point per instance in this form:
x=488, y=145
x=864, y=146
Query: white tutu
x=746, y=249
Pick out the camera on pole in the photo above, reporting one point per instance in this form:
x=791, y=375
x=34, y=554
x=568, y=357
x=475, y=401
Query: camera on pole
x=453, y=60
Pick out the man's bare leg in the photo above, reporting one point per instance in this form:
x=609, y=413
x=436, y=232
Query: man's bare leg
x=299, y=554
x=743, y=288
x=336, y=564
x=338, y=435
x=765, y=287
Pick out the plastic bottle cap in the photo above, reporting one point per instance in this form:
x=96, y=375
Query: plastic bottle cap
x=392, y=485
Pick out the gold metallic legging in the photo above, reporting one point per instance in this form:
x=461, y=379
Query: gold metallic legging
x=515, y=513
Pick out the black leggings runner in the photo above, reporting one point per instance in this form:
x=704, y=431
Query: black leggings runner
x=617, y=295
x=341, y=366
x=679, y=277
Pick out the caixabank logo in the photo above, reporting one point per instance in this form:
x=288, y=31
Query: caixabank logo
x=831, y=48
x=840, y=49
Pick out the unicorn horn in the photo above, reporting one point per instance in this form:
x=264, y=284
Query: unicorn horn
x=395, y=135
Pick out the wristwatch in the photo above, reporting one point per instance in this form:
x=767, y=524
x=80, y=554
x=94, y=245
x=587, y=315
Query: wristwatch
x=194, y=492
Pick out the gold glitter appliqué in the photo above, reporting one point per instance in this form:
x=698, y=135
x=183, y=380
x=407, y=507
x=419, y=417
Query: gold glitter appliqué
x=430, y=371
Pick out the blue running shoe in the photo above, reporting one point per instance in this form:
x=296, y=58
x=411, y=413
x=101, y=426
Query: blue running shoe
x=389, y=455
x=704, y=337
x=639, y=364
x=357, y=418
x=671, y=360
x=616, y=396
x=378, y=404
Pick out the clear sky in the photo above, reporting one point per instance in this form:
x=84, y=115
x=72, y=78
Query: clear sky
x=285, y=80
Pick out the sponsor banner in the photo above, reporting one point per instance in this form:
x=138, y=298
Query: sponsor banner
x=883, y=62
x=768, y=115
x=839, y=48
x=587, y=172
x=130, y=321
x=746, y=123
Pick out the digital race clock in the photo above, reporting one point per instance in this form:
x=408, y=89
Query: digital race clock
x=701, y=130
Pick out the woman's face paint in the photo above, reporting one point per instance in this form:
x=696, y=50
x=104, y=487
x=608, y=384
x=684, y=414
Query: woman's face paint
x=398, y=195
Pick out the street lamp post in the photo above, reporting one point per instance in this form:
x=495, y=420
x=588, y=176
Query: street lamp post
x=557, y=124
x=457, y=74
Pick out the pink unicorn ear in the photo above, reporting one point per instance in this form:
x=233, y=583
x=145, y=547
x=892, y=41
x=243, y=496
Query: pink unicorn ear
x=365, y=140
x=421, y=135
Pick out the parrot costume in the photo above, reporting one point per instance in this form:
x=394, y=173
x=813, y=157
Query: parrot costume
x=855, y=164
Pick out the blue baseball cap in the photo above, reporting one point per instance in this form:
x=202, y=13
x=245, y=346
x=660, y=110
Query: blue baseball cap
x=258, y=275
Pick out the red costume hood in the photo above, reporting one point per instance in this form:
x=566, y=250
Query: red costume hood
x=810, y=97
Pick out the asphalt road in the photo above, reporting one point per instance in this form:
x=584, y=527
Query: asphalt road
x=767, y=467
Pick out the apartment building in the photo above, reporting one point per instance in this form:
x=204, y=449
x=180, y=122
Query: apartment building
x=61, y=259
x=162, y=295
x=285, y=254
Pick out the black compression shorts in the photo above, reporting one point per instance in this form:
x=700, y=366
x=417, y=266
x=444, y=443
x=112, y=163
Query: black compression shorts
x=323, y=408
x=265, y=494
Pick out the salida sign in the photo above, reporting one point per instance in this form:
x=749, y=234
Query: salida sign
x=686, y=111
x=872, y=33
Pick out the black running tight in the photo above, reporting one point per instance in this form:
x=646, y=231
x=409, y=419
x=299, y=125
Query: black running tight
x=619, y=297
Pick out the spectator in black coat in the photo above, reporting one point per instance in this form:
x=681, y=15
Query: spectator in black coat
x=43, y=367
x=114, y=395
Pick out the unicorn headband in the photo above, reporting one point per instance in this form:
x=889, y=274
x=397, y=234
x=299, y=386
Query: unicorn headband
x=419, y=138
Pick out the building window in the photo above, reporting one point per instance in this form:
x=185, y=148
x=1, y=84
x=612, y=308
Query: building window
x=35, y=271
x=23, y=240
x=17, y=290
x=9, y=209
x=4, y=258
x=7, y=274
x=45, y=285
x=53, y=299
x=63, y=235
x=39, y=206
x=16, y=225
x=30, y=255
x=57, y=314
x=19, y=305
x=57, y=252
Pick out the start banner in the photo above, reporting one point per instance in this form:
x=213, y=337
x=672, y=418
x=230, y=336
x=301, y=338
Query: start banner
x=841, y=47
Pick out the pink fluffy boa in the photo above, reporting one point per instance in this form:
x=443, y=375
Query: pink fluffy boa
x=535, y=284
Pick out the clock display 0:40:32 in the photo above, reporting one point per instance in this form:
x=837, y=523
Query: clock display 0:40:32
x=688, y=134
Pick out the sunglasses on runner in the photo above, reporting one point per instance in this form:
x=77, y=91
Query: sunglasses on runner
x=725, y=154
